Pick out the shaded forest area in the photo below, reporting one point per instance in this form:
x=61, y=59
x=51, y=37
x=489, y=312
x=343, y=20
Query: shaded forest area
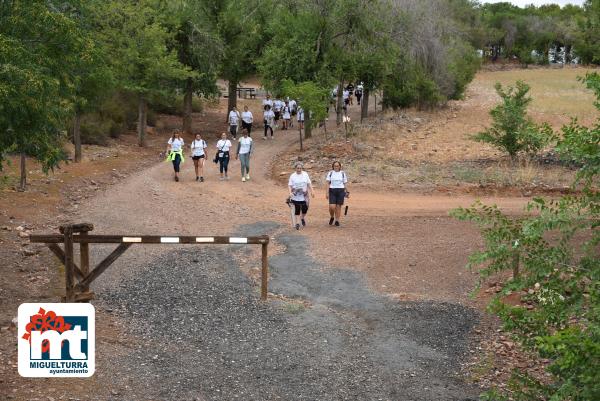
x=84, y=71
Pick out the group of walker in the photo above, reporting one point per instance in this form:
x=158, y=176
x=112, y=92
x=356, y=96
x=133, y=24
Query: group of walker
x=222, y=156
x=299, y=184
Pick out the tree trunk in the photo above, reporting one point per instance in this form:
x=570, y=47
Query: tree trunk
x=300, y=132
x=142, y=122
x=187, y=107
x=364, y=105
x=339, y=102
x=307, y=125
x=23, y=183
x=232, y=100
x=77, y=136
x=375, y=103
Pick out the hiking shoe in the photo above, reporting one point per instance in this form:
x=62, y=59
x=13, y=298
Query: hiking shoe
x=337, y=223
x=221, y=178
x=176, y=178
x=303, y=222
x=247, y=177
x=297, y=226
x=243, y=179
x=331, y=221
x=197, y=178
x=201, y=179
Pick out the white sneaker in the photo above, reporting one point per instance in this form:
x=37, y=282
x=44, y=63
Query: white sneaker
x=243, y=179
x=264, y=138
x=247, y=177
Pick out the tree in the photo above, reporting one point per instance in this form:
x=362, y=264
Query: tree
x=312, y=98
x=93, y=79
x=136, y=34
x=198, y=47
x=555, y=250
x=38, y=43
x=588, y=45
x=512, y=130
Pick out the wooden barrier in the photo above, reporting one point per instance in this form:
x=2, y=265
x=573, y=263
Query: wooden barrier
x=79, y=234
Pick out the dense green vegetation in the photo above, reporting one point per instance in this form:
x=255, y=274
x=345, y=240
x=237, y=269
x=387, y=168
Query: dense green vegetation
x=87, y=70
x=553, y=254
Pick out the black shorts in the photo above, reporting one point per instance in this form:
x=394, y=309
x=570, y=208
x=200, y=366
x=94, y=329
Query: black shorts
x=300, y=207
x=198, y=157
x=336, y=196
x=277, y=115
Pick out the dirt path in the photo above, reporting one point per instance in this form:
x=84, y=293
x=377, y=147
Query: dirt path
x=385, y=293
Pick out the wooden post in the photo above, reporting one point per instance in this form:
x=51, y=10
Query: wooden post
x=69, y=282
x=84, y=266
x=515, y=262
x=265, y=273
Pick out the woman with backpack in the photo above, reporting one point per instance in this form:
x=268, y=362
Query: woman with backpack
x=175, y=152
x=223, y=146
x=337, y=190
x=198, y=156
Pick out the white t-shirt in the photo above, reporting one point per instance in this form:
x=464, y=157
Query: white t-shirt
x=337, y=179
x=234, y=116
x=293, y=105
x=245, y=145
x=247, y=117
x=269, y=116
x=267, y=102
x=300, y=114
x=277, y=105
x=224, y=145
x=176, y=145
x=286, y=112
x=345, y=94
x=299, y=184
x=198, y=147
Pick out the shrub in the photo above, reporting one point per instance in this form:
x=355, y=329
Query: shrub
x=555, y=251
x=512, y=131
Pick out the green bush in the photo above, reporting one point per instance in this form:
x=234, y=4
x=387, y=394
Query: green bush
x=512, y=131
x=95, y=130
x=173, y=105
x=554, y=250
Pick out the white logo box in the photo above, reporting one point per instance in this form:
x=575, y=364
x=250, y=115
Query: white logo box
x=32, y=363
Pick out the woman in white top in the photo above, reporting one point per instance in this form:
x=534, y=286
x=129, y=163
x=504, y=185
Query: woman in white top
x=234, y=117
x=286, y=113
x=300, y=187
x=223, y=146
x=300, y=117
x=268, y=116
x=175, y=152
x=198, y=156
x=244, y=150
x=337, y=190
x=247, y=120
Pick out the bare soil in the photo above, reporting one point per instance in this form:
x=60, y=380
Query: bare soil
x=395, y=249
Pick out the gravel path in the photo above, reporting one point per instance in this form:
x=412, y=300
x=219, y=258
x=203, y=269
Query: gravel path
x=205, y=335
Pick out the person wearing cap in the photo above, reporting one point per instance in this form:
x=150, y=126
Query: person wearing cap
x=300, y=188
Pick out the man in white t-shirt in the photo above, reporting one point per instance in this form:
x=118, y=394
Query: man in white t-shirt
x=300, y=187
x=234, y=118
x=244, y=150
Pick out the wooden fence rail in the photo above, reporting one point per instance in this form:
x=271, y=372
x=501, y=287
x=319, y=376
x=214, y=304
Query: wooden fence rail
x=79, y=234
